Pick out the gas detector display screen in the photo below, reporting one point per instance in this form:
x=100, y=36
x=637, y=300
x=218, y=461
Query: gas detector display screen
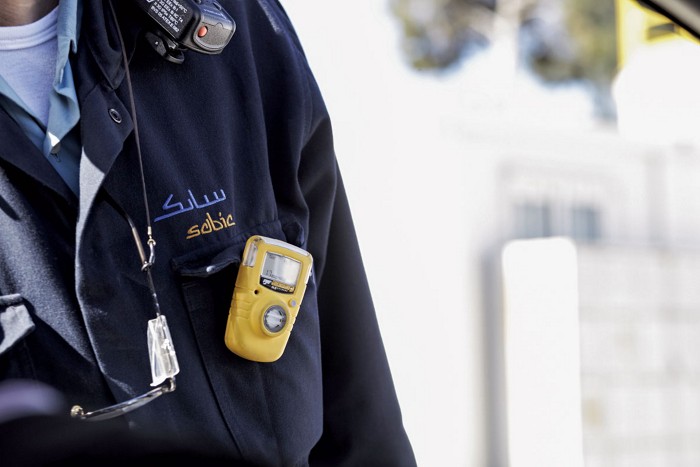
x=281, y=268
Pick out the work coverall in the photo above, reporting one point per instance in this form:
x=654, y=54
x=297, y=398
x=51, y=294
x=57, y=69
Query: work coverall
x=233, y=145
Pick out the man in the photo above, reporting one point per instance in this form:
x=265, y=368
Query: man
x=123, y=156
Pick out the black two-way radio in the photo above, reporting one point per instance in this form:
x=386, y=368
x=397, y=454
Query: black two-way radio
x=200, y=25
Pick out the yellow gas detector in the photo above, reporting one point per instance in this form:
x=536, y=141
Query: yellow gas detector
x=269, y=288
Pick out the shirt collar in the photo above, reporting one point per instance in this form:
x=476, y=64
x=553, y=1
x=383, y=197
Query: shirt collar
x=68, y=31
x=100, y=35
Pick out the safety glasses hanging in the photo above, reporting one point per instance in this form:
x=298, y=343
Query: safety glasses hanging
x=161, y=352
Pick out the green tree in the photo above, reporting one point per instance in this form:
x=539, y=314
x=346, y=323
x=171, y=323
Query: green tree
x=559, y=40
x=438, y=33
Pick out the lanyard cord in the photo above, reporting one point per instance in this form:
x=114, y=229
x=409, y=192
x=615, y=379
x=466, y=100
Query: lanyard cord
x=151, y=241
x=146, y=264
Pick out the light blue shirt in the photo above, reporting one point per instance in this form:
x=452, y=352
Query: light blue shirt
x=59, y=144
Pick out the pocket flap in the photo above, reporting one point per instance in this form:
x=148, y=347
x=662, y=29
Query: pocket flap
x=15, y=321
x=209, y=260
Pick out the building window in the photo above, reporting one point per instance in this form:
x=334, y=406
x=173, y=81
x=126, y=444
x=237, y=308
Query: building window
x=585, y=223
x=547, y=202
x=546, y=218
x=533, y=220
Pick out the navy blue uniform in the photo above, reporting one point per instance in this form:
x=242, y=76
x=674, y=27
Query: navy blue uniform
x=233, y=145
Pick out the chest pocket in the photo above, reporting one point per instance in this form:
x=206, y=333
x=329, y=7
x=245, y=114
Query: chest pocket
x=273, y=410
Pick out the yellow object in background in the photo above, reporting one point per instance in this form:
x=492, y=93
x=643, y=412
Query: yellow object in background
x=638, y=26
x=269, y=289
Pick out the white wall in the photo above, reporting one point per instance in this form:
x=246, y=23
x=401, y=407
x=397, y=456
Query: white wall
x=640, y=341
x=406, y=182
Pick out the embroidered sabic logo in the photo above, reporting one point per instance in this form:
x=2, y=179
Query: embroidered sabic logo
x=210, y=225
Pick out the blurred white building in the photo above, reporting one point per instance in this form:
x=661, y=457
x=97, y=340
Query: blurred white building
x=598, y=338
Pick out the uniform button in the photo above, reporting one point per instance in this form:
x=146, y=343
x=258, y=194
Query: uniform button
x=116, y=116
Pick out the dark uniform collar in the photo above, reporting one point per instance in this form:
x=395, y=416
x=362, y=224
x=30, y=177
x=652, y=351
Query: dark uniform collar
x=99, y=78
x=100, y=34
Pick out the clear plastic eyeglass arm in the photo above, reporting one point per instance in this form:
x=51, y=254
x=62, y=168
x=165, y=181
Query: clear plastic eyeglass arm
x=161, y=351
